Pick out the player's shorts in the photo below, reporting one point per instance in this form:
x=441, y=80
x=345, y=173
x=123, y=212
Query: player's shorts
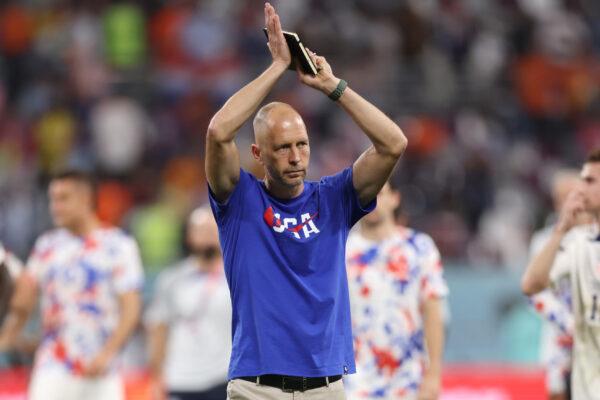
x=58, y=385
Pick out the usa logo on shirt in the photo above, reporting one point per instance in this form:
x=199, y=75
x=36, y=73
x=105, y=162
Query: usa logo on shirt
x=302, y=229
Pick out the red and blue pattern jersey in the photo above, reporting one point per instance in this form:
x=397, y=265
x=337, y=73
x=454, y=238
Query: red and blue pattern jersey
x=554, y=305
x=389, y=281
x=80, y=280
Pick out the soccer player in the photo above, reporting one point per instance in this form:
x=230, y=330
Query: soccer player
x=189, y=319
x=396, y=295
x=555, y=305
x=88, y=279
x=577, y=260
x=283, y=238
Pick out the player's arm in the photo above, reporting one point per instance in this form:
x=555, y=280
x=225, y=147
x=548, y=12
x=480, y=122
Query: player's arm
x=537, y=274
x=158, y=333
x=374, y=166
x=157, y=348
x=222, y=157
x=129, y=312
x=433, y=325
x=22, y=304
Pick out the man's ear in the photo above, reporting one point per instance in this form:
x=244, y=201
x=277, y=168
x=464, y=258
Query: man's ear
x=256, y=152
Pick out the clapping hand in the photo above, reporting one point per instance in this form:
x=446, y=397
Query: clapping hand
x=277, y=44
x=324, y=80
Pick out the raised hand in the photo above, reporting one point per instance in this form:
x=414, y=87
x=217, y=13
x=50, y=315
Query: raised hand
x=324, y=81
x=277, y=44
x=573, y=206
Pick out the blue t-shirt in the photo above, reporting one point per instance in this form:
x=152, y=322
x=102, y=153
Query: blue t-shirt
x=285, y=265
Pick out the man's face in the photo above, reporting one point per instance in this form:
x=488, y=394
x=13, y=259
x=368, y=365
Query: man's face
x=590, y=186
x=285, y=151
x=387, y=202
x=203, y=236
x=70, y=202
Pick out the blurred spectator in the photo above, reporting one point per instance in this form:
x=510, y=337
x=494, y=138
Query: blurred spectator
x=126, y=86
x=55, y=137
x=124, y=35
x=119, y=127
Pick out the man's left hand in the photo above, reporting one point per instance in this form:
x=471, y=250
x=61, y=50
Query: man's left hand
x=99, y=365
x=324, y=80
x=430, y=387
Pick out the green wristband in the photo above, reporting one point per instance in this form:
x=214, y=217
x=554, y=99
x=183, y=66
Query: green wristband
x=339, y=90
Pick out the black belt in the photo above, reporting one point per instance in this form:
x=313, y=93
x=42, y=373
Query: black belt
x=291, y=383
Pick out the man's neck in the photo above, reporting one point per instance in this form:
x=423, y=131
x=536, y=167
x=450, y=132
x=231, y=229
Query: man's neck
x=85, y=226
x=378, y=232
x=283, y=192
x=206, y=267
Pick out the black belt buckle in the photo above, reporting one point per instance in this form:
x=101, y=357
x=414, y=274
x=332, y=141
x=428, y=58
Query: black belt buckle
x=294, y=387
x=283, y=378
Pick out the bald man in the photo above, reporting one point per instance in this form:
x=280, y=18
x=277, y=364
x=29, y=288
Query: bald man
x=283, y=238
x=190, y=317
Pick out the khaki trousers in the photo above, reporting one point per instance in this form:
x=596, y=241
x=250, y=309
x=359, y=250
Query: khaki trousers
x=238, y=389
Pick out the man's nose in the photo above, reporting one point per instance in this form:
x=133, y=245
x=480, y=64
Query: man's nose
x=294, y=155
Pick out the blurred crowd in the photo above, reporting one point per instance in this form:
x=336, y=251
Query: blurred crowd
x=494, y=95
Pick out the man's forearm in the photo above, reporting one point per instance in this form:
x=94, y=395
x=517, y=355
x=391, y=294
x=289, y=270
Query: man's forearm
x=386, y=136
x=22, y=303
x=12, y=327
x=433, y=322
x=128, y=319
x=244, y=103
x=537, y=275
x=157, y=344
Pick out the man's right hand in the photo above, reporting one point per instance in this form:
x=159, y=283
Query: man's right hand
x=573, y=206
x=277, y=44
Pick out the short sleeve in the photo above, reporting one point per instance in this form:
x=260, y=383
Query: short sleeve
x=159, y=310
x=128, y=273
x=35, y=265
x=13, y=265
x=547, y=304
x=433, y=284
x=342, y=185
x=537, y=243
x=223, y=209
x=561, y=269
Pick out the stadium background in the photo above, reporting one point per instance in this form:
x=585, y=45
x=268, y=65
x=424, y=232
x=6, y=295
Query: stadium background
x=494, y=95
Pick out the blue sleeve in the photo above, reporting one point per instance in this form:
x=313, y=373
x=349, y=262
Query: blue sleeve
x=224, y=209
x=345, y=194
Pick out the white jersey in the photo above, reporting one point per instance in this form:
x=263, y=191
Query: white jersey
x=80, y=280
x=579, y=261
x=197, y=308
